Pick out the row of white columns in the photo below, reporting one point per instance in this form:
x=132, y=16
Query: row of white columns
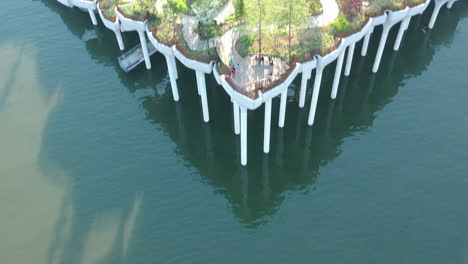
x=240, y=123
x=240, y=112
x=438, y=5
x=387, y=26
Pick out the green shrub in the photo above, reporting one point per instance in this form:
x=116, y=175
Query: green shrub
x=246, y=43
x=341, y=24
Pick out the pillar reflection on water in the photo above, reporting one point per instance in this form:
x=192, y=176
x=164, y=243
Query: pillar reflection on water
x=280, y=170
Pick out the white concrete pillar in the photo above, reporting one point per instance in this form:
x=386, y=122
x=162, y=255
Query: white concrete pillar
x=267, y=128
x=201, y=84
x=236, y=110
x=198, y=82
x=349, y=62
x=401, y=31
x=408, y=23
x=174, y=64
x=365, y=45
x=282, y=113
x=315, y=95
x=93, y=16
x=302, y=93
x=450, y=4
x=118, y=35
x=383, y=41
x=243, y=136
x=172, y=77
x=144, y=47
x=435, y=13
x=336, y=80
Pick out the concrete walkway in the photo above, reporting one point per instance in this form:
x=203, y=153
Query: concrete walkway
x=330, y=12
x=248, y=71
x=192, y=38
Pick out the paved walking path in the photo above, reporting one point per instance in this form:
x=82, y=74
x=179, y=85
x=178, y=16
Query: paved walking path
x=330, y=12
x=248, y=71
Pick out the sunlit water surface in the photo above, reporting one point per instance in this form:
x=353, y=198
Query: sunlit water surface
x=100, y=166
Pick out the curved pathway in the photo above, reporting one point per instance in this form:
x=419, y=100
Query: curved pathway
x=331, y=11
x=248, y=71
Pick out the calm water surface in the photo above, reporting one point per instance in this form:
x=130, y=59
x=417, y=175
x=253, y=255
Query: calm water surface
x=100, y=166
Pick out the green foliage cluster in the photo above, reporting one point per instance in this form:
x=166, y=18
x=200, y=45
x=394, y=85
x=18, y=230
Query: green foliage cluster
x=245, y=47
x=140, y=10
x=206, y=10
x=415, y=2
x=341, y=24
x=167, y=24
x=240, y=8
x=108, y=7
x=272, y=27
x=376, y=7
x=315, y=6
x=212, y=30
x=286, y=16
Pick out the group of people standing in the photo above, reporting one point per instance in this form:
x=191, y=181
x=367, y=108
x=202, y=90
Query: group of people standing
x=261, y=60
x=234, y=68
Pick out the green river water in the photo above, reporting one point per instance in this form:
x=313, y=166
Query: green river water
x=101, y=166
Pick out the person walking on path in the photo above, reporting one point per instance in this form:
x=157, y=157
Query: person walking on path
x=270, y=77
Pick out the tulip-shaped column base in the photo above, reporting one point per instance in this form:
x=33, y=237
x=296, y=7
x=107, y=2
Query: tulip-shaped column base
x=380, y=50
x=450, y=4
x=236, y=112
x=118, y=36
x=144, y=47
x=302, y=93
x=435, y=13
x=201, y=84
x=349, y=62
x=336, y=80
x=282, y=113
x=365, y=45
x=172, y=76
x=243, y=136
x=403, y=27
x=315, y=95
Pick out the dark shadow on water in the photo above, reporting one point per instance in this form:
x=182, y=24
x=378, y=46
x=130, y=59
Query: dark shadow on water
x=255, y=193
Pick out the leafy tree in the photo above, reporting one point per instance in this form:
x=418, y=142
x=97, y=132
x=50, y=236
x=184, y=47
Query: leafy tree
x=259, y=14
x=206, y=10
x=240, y=8
x=173, y=10
x=290, y=15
